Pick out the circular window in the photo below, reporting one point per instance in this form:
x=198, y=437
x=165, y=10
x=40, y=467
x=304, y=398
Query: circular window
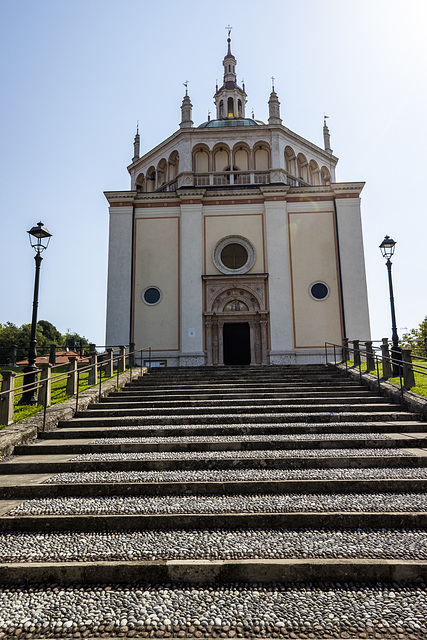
x=319, y=291
x=151, y=295
x=234, y=254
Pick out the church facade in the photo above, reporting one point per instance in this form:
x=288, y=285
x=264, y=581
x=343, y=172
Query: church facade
x=235, y=244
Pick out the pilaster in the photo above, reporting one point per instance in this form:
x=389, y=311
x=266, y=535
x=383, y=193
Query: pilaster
x=191, y=259
x=281, y=334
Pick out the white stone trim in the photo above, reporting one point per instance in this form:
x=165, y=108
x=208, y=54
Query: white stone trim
x=250, y=249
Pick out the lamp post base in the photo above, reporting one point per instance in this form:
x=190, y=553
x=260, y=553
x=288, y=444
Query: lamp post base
x=30, y=396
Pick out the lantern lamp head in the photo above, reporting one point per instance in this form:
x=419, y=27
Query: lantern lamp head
x=387, y=247
x=39, y=237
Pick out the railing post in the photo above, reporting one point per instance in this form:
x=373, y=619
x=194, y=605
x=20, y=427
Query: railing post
x=408, y=371
x=131, y=355
x=345, y=349
x=386, y=358
x=109, y=363
x=52, y=354
x=93, y=372
x=356, y=357
x=72, y=376
x=121, y=364
x=370, y=361
x=8, y=400
x=425, y=346
x=45, y=391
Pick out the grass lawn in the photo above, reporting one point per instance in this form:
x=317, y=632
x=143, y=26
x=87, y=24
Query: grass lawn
x=58, y=392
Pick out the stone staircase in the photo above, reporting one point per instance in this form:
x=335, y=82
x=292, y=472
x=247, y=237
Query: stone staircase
x=220, y=502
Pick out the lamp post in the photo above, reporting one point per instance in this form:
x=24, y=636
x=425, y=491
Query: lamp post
x=39, y=240
x=387, y=250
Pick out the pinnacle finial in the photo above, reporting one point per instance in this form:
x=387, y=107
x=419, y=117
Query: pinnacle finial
x=186, y=87
x=272, y=83
x=326, y=134
x=229, y=39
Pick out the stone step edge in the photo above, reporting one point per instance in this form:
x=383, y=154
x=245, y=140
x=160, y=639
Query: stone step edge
x=239, y=418
x=275, y=409
x=53, y=490
x=42, y=466
x=293, y=520
x=56, y=447
x=216, y=571
x=68, y=432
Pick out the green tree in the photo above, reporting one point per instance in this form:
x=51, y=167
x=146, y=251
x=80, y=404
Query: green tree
x=50, y=333
x=416, y=338
x=46, y=335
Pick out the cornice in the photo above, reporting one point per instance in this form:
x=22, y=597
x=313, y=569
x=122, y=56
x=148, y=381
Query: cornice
x=120, y=196
x=340, y=187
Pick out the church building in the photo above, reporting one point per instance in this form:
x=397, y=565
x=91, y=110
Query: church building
x=235, y=244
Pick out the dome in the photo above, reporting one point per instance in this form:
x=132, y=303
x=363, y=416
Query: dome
x=231, y=122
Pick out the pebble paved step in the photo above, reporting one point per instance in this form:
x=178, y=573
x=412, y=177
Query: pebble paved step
x=240, y=418
x=65, y=432
x=230, y=479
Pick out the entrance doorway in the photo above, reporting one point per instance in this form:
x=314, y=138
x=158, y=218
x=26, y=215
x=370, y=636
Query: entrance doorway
x=237, y=343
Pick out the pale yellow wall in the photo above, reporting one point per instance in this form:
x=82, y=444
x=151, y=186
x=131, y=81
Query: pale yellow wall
x=261, y=160
x=201, y=161
x=221, y=160
x=241, y=159
x=313, y=258
x=157, y=264
x=217, y=226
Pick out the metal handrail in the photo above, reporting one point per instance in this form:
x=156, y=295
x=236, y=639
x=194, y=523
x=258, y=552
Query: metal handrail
x=66, y=374
x=400, y=365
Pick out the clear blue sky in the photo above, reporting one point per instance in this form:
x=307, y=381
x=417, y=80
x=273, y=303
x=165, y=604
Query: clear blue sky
x=76, y=76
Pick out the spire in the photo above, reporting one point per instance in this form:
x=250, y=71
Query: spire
x=136, y=144
x=274, y=107
x=229, y=63
x=186, y=110
x=326, y=136
x=230, y=99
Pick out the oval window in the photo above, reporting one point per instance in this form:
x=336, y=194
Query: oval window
x=151, y=295
x=319, y=291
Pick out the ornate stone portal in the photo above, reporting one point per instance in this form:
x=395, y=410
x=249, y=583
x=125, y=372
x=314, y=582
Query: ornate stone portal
x=236, y=299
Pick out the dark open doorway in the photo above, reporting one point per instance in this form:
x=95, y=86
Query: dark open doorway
x=237, y=343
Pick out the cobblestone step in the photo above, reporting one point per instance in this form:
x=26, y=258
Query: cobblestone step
x=244, y=443
x=187, y=460
x=66, y=432
x=181, y=457
x=85, y=419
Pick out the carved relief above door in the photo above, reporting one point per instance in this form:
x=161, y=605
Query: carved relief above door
x=238, y=300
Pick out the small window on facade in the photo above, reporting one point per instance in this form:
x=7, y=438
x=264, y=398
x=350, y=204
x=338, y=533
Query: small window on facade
x=151, y=295
x=319, y=291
